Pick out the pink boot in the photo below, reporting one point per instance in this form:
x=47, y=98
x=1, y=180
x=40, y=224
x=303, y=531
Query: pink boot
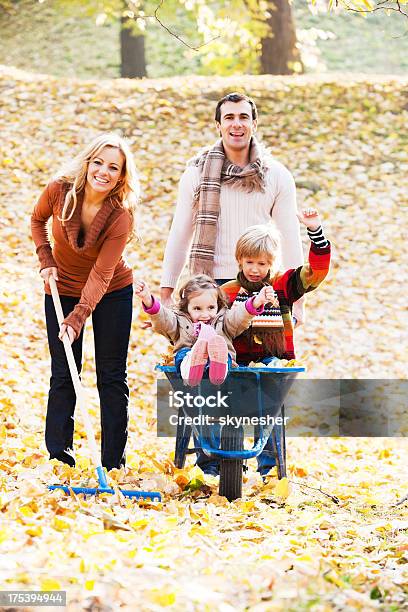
x=199, y=356
x=218, y=355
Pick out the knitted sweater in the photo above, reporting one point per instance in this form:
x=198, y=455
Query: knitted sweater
x=289, y=287
x=238, y=210
x=88, y=271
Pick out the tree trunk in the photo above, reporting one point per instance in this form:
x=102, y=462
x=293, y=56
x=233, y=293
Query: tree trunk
x=279, y=50
x=132, y=52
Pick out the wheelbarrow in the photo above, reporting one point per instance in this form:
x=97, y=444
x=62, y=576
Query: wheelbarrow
x=249, y=403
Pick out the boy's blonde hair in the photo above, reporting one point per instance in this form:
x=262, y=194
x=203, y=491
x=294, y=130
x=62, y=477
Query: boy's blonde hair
x=260, y=240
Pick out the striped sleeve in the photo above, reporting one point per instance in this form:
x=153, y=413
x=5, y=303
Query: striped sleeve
x=318, y=238
x=295, y=283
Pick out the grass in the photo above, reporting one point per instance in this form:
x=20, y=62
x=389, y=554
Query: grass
x=38, y=37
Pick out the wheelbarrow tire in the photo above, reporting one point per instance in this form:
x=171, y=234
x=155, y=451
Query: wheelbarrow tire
x=232, y=439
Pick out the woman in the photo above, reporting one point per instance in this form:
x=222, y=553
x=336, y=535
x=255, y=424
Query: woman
x=92, y=204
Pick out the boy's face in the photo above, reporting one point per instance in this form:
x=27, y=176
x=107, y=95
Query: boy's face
x=203, y=306
x=255, y=268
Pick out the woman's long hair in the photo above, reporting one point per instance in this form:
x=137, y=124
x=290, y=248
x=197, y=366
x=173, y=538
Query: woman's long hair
x=126, y=192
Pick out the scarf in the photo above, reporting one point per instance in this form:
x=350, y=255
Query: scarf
x=215, y=170
x=267, y=328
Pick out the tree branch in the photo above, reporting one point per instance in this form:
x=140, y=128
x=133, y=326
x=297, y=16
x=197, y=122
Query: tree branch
x=155, y=16
x=401, y=501
x=380, y=7
x=320, y=490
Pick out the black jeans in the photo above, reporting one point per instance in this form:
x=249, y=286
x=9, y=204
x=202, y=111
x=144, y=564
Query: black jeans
x=111, y=321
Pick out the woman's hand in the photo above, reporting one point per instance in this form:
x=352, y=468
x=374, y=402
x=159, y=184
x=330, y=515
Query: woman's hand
x=69, y=331
x=309, y=217
x=266, y=294
x=143, y=292
x=47, y=272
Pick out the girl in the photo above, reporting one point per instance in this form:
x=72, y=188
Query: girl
x=201, y=328
x=258, y=255
x=92, y=204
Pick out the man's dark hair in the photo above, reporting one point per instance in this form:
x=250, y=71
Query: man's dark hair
x=235, y=97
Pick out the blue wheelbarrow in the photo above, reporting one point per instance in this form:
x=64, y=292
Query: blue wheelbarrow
x=249, y=403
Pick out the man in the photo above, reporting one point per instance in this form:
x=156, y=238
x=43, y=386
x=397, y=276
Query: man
x=227, y=188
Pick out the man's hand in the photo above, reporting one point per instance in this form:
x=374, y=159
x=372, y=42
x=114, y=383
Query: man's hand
x=47, y=272
x=69, y=331
x=266, y=294
x=166, y=296
x=143, y=292
x=309, y=217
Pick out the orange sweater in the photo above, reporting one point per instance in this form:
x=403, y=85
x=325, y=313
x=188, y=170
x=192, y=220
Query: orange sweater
x=88, y=271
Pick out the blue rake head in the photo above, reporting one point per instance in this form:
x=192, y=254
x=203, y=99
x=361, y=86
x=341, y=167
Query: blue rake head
x=104, y=488
x=150, y=495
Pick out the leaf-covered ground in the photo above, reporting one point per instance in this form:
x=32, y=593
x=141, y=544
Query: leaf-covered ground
x=274, y=549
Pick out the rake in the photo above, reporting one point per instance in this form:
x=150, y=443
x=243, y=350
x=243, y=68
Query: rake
x=100, y=471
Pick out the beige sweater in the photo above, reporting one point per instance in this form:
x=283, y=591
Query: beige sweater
x=238, y=210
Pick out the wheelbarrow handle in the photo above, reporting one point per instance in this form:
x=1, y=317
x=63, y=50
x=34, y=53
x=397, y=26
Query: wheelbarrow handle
x=79, y=390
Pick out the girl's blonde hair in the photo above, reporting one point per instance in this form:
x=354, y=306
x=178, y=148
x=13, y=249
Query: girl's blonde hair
x=126, y=192
x=198, y=284
x=260, y=240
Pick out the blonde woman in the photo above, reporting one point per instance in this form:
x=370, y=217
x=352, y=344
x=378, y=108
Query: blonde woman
x=92, y=205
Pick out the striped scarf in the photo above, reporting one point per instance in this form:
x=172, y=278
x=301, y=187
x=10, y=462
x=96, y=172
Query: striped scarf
x=215, y=170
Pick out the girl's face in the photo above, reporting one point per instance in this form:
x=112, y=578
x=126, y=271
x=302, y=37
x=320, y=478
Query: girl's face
x=255, y=268
x=203, y=306
x=104, y=170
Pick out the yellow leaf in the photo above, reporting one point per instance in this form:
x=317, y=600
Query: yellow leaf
x=139, y=524
x=26, y=511
x=89, y=585
x=282, y=488
x=332, y=577
x=305, y=558
x=246, y=506
x=83, y=463
x=3, y=535
x=61, y=524
x=162, y=597
x=34, y=530
x=49, y=584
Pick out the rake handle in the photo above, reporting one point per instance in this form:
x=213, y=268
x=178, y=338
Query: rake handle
x=79, y=390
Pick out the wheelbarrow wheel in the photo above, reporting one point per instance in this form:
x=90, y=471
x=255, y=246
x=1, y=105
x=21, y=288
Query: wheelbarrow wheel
x=232, y=439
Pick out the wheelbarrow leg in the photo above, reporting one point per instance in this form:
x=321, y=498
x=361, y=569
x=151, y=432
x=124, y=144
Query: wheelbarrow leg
x=279, y=444
x=183, y=435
